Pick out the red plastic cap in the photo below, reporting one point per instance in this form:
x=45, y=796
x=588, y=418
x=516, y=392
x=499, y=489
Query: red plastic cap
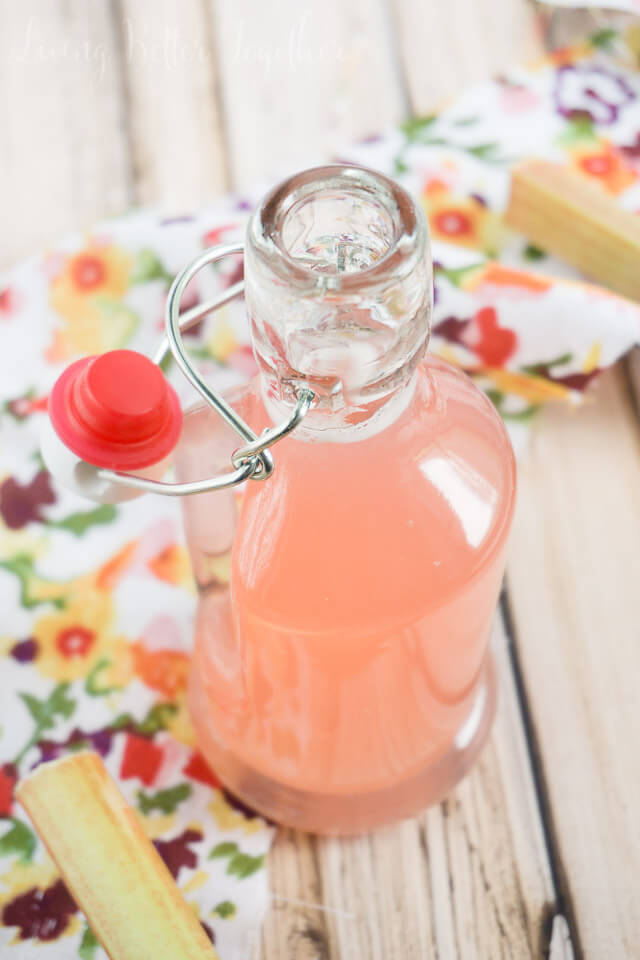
x=116, y=410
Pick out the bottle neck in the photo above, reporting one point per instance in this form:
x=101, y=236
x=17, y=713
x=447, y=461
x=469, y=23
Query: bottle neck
x=338, y=289
x=353, y=424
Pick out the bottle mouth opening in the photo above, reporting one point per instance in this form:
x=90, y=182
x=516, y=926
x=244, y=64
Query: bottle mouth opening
x=338, y=227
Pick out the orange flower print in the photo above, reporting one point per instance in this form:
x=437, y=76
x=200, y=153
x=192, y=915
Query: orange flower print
x=165, y=671
x=565, y=55
x=172, y=565
x=158, y=660
x=162, y=665
x=87, y=293
x=466, y=221
x=604, y=164
x=492, y=274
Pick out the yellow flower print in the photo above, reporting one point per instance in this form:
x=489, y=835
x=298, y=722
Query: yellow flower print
x=603, y=164
x=179, y=723
x=531, y=388
x=227, y=818
x=78, y=636
x=465, y=221
x=88, y=296
x=74, y=640
x=34, y=901
x=592, y=359
x=222, y=342
x=25, y=876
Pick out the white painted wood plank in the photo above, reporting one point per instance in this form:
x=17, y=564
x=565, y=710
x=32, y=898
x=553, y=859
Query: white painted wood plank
x=446, y=46
x=573, y=579
x=467, y=879
x=299, y=81
x=175, y=130
x=63, y=149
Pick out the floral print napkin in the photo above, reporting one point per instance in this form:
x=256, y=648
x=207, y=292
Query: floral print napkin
x=98, y=600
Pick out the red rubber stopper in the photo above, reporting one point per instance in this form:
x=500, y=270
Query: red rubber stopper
x=116, y=410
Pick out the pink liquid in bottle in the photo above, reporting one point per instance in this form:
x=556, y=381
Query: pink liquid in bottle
x=341, y=675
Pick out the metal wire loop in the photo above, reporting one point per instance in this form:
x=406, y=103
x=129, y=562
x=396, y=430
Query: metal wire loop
x=269, y=437
x=251, y=461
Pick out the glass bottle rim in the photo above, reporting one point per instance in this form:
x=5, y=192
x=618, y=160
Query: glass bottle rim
x=409, y=240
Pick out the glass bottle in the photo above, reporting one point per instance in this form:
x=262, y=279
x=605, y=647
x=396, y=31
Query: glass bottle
x=341, y=672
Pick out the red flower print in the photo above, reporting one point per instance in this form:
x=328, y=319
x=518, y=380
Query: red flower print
x=21, y=407
x=8, y=777
x=453, y=223
x=141, y=759
x=20, y=503
x=7, y=302
x=75, y=641
x=608, y=165
x=495, y=343
x=198, y=769
x=214, y=236
x=597, y=165
x=87, y=271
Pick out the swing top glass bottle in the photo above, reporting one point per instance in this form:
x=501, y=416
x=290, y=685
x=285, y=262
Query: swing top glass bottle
x=341, y=675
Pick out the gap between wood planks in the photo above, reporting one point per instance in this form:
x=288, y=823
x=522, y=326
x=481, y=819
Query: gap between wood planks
x=563, y=933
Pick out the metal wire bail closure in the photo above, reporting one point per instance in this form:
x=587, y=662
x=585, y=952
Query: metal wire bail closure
x=251, y=461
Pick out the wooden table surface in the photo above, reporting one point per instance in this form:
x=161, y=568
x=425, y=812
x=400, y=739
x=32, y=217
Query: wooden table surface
x=105, y=105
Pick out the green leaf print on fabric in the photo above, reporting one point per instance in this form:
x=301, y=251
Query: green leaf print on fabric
x=604, y=39
x=148, y=266
x=19, y=840
x=21, y=566
x=531, y=252
x=88, y=945
x=457, y=275
x=123, y=321
x=223, y=850
x=516, y=416
x=416, y=127
x=465, y=121
x=538, y=369
x=92, y=684
x=243, y=865
x=79, y=523
x=578, y=130
x=156, y=720
x=164, y=800
x=45, y=712
x=224, y=909
x=485, y=151
x=240, y=864
x=428, y=132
